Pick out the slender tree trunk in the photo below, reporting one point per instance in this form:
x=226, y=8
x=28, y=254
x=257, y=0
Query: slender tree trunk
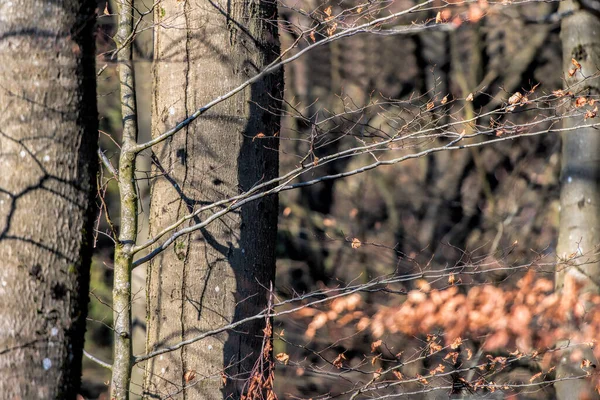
x=579, y=226
x=48, y=139
x=128, y=196
x=217, y=275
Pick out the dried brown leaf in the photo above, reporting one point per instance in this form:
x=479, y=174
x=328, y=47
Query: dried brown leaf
x=558, y=93
x=377, y=373
x=283, y=358
x=439, y=369
x=456, y=343
x=580, y=102
x=438, y=18
x=591, y=113
x=451, y=279
x=469, y=354
x=534, y=87
x=331, y=30
x=189, y=376
x=534, y=377
x=453, y=356
x=375, y=345
x=338, y=362
x=515, y=98
x=434, y=347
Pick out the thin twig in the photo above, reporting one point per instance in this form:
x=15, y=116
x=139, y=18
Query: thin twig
x=275, y=66
x=285, y=187
x=107, y=164
x=97, y=360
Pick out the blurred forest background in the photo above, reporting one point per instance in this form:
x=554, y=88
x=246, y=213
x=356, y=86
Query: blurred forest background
x=491, y=206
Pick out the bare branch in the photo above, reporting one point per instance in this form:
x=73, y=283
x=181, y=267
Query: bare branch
x=307, y=167
x=97, y=360
x=275, y=66
x=285, y=186
x=107, y=164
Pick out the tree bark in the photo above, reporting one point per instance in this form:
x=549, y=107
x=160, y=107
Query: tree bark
x=579, y=228
x=128, y=199
x=48, y=139
x=218, y=275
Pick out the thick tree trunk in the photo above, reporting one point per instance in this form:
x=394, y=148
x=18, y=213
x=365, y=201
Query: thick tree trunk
x=48, y=138
x=218, y=275
x=579, y=230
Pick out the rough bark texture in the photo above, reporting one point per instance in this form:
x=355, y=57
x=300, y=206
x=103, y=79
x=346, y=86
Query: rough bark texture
x=579, y=234
x=217, y=275
x=48, y=137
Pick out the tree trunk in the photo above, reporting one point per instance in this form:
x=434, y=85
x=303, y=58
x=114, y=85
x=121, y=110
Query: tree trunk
x=579, y=228
x=128, y=199
x=219, y=274
x=48, y=139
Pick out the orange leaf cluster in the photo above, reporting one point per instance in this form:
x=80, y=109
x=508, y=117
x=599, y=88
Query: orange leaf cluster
x=531, y=315
x=338, y=306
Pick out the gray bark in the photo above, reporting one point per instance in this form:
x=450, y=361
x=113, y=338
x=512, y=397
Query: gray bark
x=580, y=175
x=48, y=138
x=579, y=233
x=122, y=359
x=218, y=275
